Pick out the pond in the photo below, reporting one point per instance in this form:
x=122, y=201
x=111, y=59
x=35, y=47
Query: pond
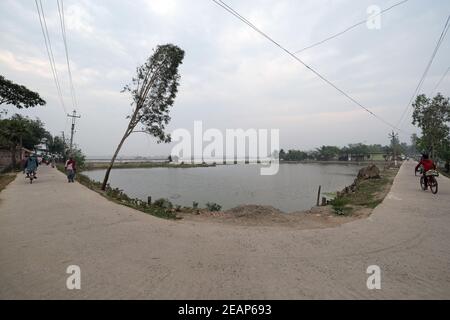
x=293, y=188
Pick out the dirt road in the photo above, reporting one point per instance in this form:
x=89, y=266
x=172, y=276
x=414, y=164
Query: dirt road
x=122, y=253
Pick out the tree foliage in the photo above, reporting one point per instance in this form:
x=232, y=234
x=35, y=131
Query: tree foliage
x=56, y=145
x=18, y=95
x=432, y=117
x=21, y=131
x=328, y=153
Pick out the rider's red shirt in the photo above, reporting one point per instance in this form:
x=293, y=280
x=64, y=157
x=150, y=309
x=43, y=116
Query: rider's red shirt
x=427, y=165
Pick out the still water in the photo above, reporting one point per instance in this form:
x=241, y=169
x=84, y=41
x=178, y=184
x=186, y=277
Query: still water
x=293, y=188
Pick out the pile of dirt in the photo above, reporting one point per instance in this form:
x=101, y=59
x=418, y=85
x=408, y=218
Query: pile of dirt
x=369, y=172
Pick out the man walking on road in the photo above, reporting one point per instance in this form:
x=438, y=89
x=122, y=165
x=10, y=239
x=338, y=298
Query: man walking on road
x=70, y=167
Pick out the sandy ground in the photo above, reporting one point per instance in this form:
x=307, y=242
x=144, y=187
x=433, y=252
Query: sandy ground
x=267, y=216
x=125, y=254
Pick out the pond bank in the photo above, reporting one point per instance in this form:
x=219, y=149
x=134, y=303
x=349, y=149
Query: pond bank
x=356, y=205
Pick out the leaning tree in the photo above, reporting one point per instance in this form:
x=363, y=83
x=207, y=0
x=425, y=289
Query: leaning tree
x=153, y=92
x=17, y=95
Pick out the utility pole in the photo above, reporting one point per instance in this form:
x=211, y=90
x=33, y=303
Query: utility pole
x=74, y=116
x=64, y=143
x=394, y=142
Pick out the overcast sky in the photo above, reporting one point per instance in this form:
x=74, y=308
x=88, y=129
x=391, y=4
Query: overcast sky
x=231, y=76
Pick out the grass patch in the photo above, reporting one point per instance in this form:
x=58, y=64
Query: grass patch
x=368, y=193
x=339, y=205
x=160, y=208
x=6, y=178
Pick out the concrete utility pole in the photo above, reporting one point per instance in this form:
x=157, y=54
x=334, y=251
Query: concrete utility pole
x=394, y=139
x=74, y=116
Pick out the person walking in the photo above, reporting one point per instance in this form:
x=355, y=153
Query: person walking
x=70, y=167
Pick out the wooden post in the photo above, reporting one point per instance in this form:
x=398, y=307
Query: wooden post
x=149, y=200
x=318, y=195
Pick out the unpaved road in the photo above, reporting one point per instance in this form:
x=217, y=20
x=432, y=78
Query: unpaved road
x=122, y=253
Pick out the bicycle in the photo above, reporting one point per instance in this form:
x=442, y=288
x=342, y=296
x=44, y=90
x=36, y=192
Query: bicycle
x=31, y=175
x=431, y=181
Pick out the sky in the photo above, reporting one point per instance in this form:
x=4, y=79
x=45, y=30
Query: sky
x=231, y=76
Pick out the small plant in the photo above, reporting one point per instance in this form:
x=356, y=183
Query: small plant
x=163, y=203
x=211, y=206
x=338, y=204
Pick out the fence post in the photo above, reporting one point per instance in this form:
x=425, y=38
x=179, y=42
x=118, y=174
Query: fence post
x=318, y=195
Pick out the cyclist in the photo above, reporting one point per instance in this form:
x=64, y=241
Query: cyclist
x=427, y=164
x=30, y=166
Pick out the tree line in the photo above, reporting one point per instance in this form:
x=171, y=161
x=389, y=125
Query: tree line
x=327, y=153
x=17, y=132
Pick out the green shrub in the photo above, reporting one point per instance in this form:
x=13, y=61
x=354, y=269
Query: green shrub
x=211, y=206
x=338, y=204
x=163, y=203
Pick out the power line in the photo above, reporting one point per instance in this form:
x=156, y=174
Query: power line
x=439, y=82
x=422, y=79
x=350, y=28
x=48, y=46
x=237, y=15
x=63, y=32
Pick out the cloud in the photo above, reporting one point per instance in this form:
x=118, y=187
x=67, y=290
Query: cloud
x=162, y=7
x=27, y=64
x=231, y=76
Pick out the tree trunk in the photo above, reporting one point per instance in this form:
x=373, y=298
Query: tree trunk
x=108, y=171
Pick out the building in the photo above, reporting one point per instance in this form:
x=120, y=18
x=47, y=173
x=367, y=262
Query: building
x=371, y=156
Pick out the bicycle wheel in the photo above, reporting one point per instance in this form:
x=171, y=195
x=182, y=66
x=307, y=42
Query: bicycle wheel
x=433, y=185
x=422, y=183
